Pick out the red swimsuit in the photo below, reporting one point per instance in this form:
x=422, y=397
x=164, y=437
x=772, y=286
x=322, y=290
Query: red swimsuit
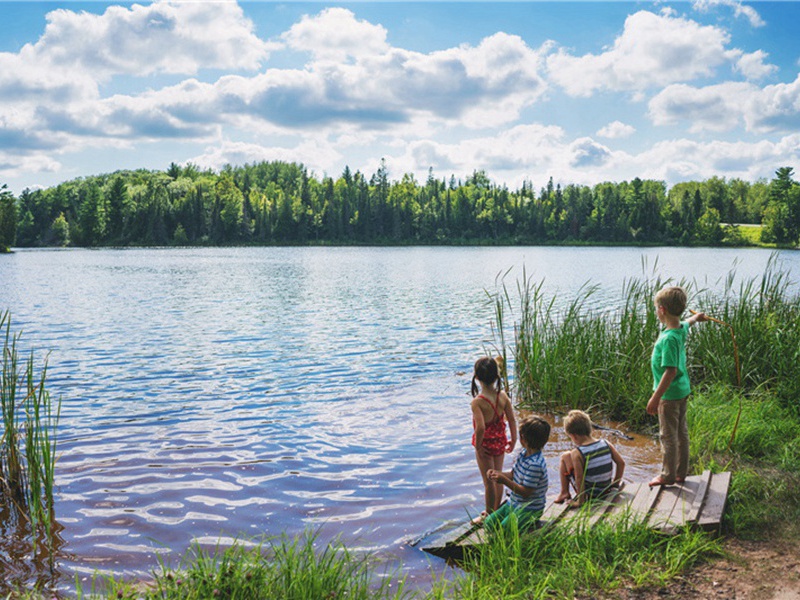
x=494, y=436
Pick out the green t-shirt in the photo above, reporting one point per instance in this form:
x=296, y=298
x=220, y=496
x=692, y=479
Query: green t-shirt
x=670, y=351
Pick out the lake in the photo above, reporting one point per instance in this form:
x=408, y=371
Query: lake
x=215, y=394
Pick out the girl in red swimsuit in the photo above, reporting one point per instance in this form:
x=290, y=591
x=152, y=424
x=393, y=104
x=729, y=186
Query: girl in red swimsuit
x=491, y=408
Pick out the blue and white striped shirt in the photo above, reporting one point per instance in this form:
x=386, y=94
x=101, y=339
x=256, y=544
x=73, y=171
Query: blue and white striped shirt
x=530, y=470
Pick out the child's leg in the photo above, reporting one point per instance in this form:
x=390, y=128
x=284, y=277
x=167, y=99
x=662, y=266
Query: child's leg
x=485, y=463
x=668, y=415
x=683, y=442
x=565, y=470
x=498, y=487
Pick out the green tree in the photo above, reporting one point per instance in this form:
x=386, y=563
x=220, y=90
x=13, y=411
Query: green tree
x=60, y=231
x=8, y=219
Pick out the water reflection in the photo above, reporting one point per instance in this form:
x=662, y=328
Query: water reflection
x=222, y=394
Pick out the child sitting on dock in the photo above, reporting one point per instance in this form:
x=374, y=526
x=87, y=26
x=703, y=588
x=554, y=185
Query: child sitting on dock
x=527, y=479
x=490, y=410
x=589, y=467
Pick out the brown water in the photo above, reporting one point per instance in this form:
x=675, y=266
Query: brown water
x=211, y=395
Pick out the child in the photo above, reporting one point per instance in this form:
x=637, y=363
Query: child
x=527, y=479
x=591, y=463
x=490, y=410
x=671, y=384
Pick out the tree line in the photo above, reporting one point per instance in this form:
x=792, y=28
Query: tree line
x=282, y=203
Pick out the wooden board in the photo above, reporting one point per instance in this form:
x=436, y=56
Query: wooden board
x=711, y=515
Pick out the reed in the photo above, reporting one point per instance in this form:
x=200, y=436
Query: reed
x=579, y=356
x=29, y=442
x=286, y=568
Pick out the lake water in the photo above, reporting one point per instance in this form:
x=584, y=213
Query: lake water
x=223, y=393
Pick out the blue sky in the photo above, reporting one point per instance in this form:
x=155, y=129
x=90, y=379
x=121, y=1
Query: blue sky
x=580, y=91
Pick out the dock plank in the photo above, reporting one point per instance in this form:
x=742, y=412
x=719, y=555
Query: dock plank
x=711, y=514
x=699, y=497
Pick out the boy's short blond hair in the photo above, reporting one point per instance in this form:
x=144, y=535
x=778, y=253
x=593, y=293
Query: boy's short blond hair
x=578, y=422
x=673, y=299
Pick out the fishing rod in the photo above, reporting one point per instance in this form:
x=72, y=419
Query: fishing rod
x=738, y=372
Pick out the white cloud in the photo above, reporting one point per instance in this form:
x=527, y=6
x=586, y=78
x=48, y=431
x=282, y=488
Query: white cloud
x=616, y=130
x=163, y=37
x=753, y=67
x=336, y=35
x=739, y=10
x=652, y=51
x=725, y=106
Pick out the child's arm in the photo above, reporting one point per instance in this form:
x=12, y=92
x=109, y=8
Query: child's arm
x=507, y=480
x=512, y=422
x=480, y=426
x=697, y=317
x=619, y=471
x=663, y=385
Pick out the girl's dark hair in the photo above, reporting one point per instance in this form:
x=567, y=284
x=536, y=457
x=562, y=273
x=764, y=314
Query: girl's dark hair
x=487, y=373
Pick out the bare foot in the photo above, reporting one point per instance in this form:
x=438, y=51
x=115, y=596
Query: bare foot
x=480, y=518
x=658, y=481
x=561, y=497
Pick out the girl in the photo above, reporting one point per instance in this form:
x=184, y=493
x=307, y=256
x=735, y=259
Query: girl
x=490, y=410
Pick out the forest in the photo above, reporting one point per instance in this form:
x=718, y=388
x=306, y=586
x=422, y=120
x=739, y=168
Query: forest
x=281, y=203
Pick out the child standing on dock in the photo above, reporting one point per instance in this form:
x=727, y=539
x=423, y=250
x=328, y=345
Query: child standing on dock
x=527, y=479
x=490, y=410
x=590, y=466
x=671, y=384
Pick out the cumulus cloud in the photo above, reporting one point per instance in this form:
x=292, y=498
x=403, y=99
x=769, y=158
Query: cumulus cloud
x=163, y=37
x=725, y=106
x=652, y=51
x=753, y=67
x=616, y=130
x=739, y=10
x=336, y=35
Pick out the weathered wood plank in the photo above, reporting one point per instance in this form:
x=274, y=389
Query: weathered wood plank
x=711, y=514
x=683, y=505
x=699, y=497
x=662, y=511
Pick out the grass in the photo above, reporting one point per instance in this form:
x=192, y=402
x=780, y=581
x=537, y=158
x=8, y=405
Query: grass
x=28, y=445
x=281, y=569
x=580, y=357
x=550, y=563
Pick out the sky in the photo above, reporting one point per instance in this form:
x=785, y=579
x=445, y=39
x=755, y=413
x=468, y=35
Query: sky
x=582, y=92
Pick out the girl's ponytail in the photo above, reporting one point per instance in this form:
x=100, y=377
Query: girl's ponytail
x=474, y=387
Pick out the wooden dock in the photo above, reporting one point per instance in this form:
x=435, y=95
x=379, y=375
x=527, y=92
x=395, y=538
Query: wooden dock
x=698, y=502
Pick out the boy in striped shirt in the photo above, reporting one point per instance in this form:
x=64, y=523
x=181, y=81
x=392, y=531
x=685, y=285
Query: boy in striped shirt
x=527, y=479
x=590, y=465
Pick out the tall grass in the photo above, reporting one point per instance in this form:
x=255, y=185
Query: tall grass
x=584, y=562
x=764, y=458
x=28, y=445
x=283, y=569
x=578, y=356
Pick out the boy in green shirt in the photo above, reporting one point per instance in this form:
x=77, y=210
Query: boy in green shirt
x=671, y=384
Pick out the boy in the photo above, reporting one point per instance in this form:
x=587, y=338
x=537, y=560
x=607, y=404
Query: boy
x=591, y=464
x=671, y=384
x=527, y=479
